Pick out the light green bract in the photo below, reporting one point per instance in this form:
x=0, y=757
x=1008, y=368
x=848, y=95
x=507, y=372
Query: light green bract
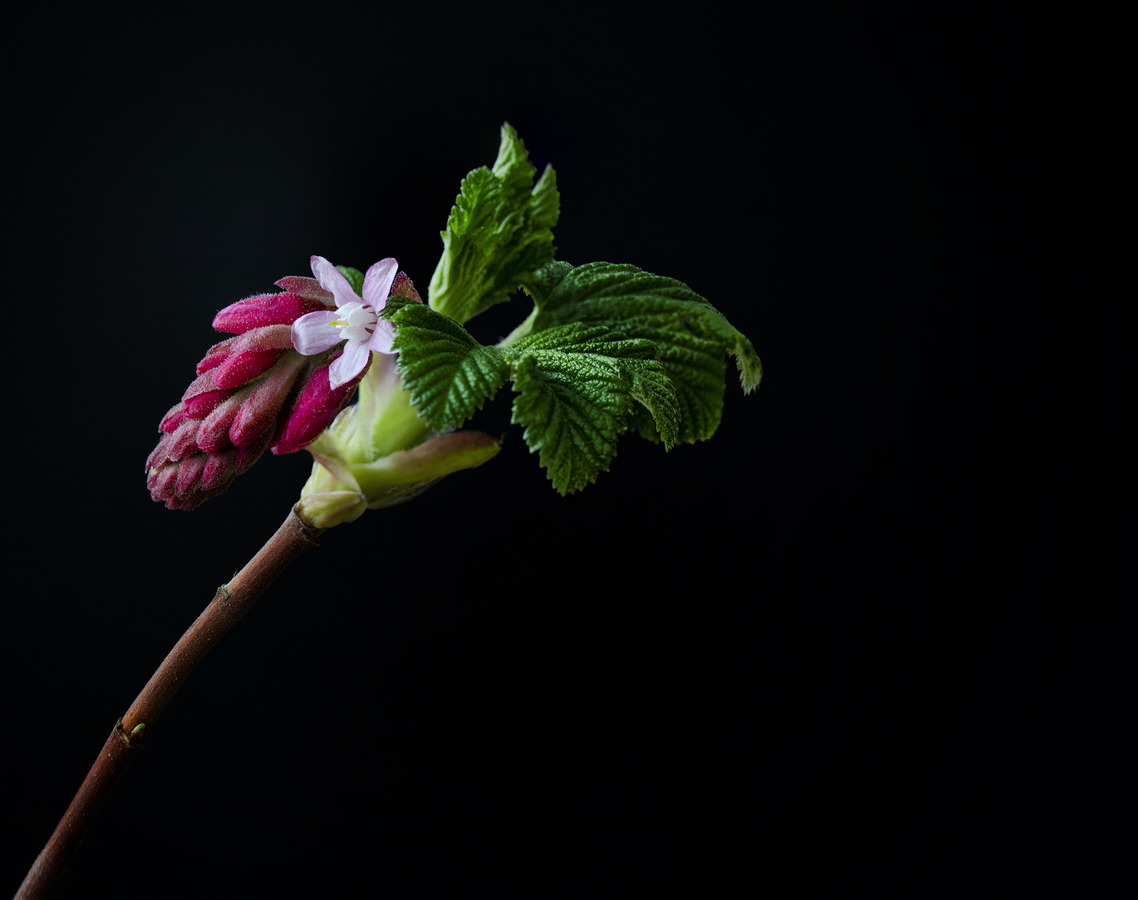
x=379, y=452
x=607, y=348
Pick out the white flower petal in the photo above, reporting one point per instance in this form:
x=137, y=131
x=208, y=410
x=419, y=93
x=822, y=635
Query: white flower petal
x=314, y=332
x=382, y=340
x=347, y=366
x=378, y=281
x=332, y=279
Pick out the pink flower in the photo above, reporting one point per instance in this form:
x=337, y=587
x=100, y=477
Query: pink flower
x=257, y=391
x=355, y=321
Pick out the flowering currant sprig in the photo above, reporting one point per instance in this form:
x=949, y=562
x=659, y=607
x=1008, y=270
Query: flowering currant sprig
x=606, y=349
x=294, y=362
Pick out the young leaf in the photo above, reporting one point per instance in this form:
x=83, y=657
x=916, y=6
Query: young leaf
x=690, y=335
x=499, y=233
x=577, y=386
x=449, y=374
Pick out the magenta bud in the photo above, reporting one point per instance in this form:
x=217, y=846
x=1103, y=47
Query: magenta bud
x=315, y=408
x=215, y=356
x=306, y=286
x=158, y=455
x=253, y=391
x=203, y=404
x=161, y=480
x=244, y=367
x=219, y=470
x=268, y=309
x=213, y=435
x=189, y=473
x=259, y=411
x=173, y=418
x=244, y=456
x=183, y=440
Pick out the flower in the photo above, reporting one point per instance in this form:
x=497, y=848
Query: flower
x=355, y=321
x=256, y=391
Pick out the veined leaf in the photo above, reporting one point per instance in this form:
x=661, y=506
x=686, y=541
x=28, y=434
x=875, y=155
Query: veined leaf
x=449, y=374
x=499, y=233
x=690, y=335
x=577, y=387
x=607, y=347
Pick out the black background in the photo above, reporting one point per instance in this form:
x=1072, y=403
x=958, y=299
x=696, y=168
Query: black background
x=863, y=638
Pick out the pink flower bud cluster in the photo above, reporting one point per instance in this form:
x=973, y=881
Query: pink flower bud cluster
x=253, y=392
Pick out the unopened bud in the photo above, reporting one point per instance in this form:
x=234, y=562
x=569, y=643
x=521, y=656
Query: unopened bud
x=253, y=392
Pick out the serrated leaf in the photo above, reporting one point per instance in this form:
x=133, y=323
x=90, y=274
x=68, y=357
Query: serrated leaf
x=656, y=393
x=691, y=336
x=449, y=373
x=499, y=233
x=645, y=380
x=574, y=433
x=577, y=387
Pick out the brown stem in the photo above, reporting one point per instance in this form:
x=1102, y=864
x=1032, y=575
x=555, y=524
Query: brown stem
x=229, y=604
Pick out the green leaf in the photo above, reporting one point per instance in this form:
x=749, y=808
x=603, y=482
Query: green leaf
x=449, y=374
x=690, y=335
x=577, y=386
x=499, y=233
x=609, y=348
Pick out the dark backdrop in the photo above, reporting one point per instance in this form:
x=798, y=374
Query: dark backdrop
x=862, y=638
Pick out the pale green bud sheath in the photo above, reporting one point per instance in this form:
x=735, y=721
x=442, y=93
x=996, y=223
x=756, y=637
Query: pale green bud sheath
x=380, y=452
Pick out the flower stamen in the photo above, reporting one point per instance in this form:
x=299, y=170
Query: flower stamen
x=358, y=322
